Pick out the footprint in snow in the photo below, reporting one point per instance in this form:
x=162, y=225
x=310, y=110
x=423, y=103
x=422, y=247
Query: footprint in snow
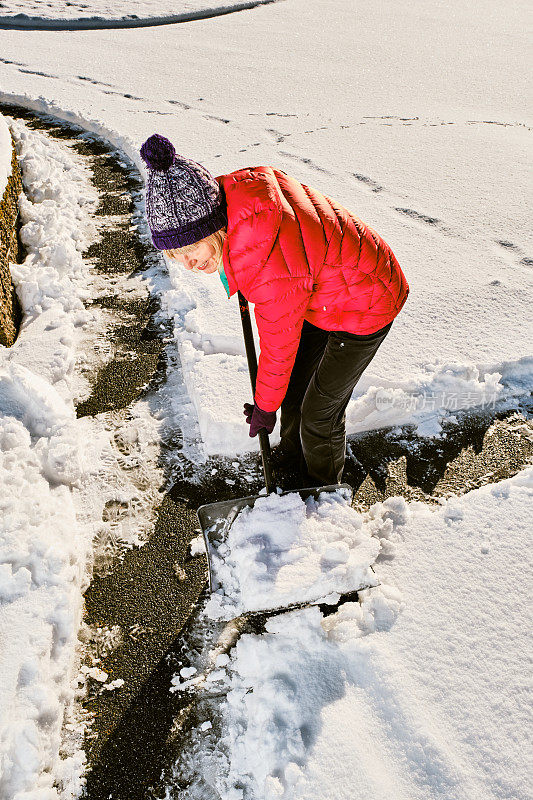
x=418, y=216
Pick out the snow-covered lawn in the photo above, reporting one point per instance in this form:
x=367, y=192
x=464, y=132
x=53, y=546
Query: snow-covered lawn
x=418, y=692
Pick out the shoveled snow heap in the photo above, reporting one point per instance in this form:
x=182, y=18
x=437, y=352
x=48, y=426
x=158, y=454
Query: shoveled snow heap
x=6, y=152
x=43, y=551
x=285, y=551
x=26, y=11
x=52, y=281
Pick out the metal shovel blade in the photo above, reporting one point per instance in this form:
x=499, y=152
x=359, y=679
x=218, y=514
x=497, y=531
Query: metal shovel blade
x=216, y=519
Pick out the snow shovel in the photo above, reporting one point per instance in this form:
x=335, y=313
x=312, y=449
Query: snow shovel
x=217, y=518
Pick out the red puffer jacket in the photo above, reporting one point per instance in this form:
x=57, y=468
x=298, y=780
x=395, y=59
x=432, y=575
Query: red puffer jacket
x=296, y=254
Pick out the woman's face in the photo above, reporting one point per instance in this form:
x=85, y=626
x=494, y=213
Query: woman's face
x=201, y=258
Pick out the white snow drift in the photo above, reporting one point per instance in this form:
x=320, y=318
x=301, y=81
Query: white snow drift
x=43, y=552
x=109, y=13
x=6, y=153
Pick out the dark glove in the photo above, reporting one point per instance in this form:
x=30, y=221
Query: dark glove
x=257, y=419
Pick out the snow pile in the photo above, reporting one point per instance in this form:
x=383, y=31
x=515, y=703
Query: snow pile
x=31, y=12
x=45, y=416
x=434, y=393
x=51, y=283
x=6, y=153
x=42, y=561
x=284, y=551
x=281, y=683
x=43, y=552
x=368, y=703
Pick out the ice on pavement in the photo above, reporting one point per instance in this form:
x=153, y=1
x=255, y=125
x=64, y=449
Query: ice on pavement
x=285, y=551
x=417, y=692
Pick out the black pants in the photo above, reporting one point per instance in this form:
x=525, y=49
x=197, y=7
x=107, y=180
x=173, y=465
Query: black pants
x=327, y=367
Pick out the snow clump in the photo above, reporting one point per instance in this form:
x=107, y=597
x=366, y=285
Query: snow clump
x=284, y=551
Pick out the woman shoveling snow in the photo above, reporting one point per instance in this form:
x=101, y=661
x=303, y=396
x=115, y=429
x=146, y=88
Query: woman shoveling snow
x=326, y=289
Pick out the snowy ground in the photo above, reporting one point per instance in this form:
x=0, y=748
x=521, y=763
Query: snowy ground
x=43, y=549
x=6, y=152
x=406, y=117
x=413, y=117
x=75, y=494
x=36, y=12
x=418, y=692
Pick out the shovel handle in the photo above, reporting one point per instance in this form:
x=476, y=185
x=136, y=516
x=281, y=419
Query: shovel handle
x=252, y=369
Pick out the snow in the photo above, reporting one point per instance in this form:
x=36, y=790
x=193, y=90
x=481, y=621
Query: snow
x=414, y=117
x=417, y=692
x=103, y=13
x=428, y=146
x=43, y=551
x=116, y=684
x=210, y=343
x=51, y=283
x=6, y=153
x=42, y=563
x=425, y=398
x=284, y=551
x=197, y=546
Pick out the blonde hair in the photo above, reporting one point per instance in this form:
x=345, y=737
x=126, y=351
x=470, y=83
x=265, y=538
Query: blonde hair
x=215, y=239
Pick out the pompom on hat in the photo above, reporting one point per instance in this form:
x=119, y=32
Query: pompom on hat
x=184, y=203
x=158, y=152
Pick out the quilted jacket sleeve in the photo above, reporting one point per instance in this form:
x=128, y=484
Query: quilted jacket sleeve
x=279, y=318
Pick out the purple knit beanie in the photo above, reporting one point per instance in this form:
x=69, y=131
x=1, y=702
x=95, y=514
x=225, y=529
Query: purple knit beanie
x=184, y=203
